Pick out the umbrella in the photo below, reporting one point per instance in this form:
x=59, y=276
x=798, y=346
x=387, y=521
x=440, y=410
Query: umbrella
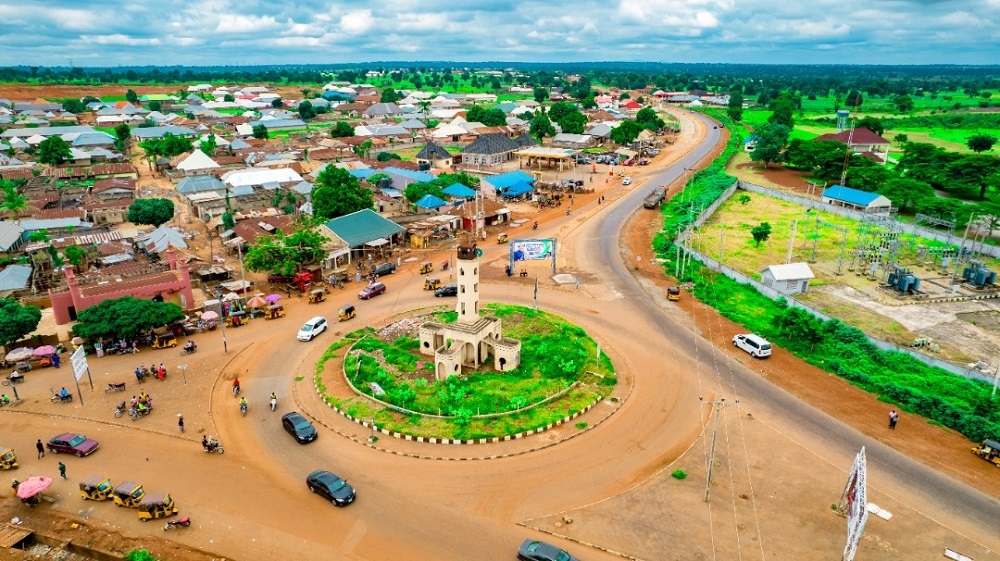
x=257, y=302
x=45, y=350
x=77, y=340
x=273, y=298
x=209, y=316
x=33, y=486
x=24, y=353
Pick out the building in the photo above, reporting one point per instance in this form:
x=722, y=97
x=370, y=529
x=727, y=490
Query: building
x=860, y=141
x=493, y=186
x=432, y=156
x=839, y=195
x=364, y=230
x=576, y=141
x=790, y=278
x=489, y=150
x=472, y=339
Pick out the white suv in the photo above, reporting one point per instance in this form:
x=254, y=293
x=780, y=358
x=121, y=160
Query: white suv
x=312, y=328
x=756, y=346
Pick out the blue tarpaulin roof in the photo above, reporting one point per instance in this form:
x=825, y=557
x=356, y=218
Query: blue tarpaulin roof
x=459, y=190
x=508, y=179
x=516, y=189
x=362, y=173
x=430, y=201
x=852, y=196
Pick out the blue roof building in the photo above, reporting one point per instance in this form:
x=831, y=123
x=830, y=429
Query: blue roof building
x=430, y=201
x=459, y=190
x=504, y=180
x=840, y=195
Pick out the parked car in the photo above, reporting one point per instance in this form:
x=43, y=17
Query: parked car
x=756, y=346
x=299, y=427
x=371, y=291
x=312, y=328
x=279, y=278
x=331, y=486
x=72, y=443
x=385, y=269
x=534, y=550
x=627, y=180
x=447, y=290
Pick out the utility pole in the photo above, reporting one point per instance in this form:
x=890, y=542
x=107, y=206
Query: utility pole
x=961, y=250
x=716, y=407
x=791, y=242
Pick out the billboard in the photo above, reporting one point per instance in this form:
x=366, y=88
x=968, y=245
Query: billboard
x=854, y=504
x=532, y=250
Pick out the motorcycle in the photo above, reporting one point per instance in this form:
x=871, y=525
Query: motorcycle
x=14, y=378
x=135, y=412
x=274, y=403
x=534, y=226
x=243, y=409
x=213, y=447
x=188, y=350
x=59, y=398
x=112, y=387
x=120, y=409
x=444, y=266
x=180, y=523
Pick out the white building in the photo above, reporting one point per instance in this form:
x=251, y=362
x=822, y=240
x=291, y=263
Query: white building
x=790, y=278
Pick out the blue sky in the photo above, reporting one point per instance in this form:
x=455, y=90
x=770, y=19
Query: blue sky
x=114, y=32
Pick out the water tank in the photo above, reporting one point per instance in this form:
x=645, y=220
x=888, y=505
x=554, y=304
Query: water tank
x=384, y=183
x=843, y=118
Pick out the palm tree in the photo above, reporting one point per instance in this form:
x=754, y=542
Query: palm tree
x=424, y=106
x=13, y=202
x=150, y=150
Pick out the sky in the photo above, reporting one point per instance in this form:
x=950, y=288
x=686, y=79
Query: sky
x=251, y=32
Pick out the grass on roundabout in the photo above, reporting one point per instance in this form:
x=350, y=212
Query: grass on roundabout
x=560, y=374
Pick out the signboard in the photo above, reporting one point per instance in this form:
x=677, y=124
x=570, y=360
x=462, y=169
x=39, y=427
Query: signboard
x=854, y=504
x=79, y=361
x=532, y=250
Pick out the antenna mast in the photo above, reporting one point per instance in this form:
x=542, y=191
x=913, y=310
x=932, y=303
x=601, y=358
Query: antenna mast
x=850, y=140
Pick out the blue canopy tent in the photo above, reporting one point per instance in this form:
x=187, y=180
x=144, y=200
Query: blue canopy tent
x=430, y=201
x=459, y=190
x=516, y=190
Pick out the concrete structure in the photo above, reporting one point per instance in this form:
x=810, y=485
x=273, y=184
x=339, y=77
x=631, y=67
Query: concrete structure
x=846, y=197
x=472, y=339
x=790, y=278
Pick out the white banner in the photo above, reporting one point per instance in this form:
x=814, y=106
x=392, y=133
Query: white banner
x=79, y=361
x=856, y=507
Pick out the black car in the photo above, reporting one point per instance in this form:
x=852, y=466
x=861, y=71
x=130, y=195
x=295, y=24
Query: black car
x=534, y=550
x=330, y=486
x=299, y=427
x=384, y=269
x=447, y=290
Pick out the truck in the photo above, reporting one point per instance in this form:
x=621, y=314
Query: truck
x=654, y=199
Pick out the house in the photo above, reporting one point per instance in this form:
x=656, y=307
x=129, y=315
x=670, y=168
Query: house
x=494, y=212
x=430, y=202
x=277, y=124
x=789, y=278
x=839, y=195
x=114, y=188
x=46, y=131
x=145, y=133
x=14, y=278
x=200, y=184
x=11, y=236
x=489, y=150
x=383, y=111
x=196, y=163
x=364, y=229
x=575, y=141
x=260, y=176
x=511, y=182
x=750, y=144
x=860, y=141
x=252, y=228
x=459, y=191
x=432, y=156
x=401, y=178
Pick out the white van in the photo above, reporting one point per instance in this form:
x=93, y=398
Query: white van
x=756, y=346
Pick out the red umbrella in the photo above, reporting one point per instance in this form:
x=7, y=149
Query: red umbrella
x=45, y=350
x=33, y=486
x=256, y=302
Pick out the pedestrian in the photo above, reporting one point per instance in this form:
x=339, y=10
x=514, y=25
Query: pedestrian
x=62, y=470
x=55, y=360
x=180, y=421
x=41, y=448
x=162, y=372
x=578, y=285
x=357, y=277
x=399, y=261
x=893, y=419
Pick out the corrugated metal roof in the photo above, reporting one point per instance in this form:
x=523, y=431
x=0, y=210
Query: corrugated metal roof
x=14, y=277
x=852, y=196
x=10, y=233
x=362, y=226
x=790, y=271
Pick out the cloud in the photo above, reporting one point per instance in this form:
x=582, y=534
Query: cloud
x=356, y=22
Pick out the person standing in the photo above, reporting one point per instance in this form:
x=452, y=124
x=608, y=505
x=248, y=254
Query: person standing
x=62, y=470
x=180, y=421
x=893, y=419
x=41, y=448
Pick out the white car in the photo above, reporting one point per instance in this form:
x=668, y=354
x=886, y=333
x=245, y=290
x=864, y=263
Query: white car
x=757, y=346
x=312, y=328
x=627, y=181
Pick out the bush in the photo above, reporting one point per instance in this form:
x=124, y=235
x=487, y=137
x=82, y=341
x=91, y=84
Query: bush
x=679, y=474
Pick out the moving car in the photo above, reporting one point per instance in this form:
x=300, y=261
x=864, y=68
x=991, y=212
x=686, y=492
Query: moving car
x=371, y=291
x=757, y=346
x=330, y=486
x=72, y=443
x=534, y=550
x=447, y=290
x=299, y=427
x=627, y=181
x=385, y=269
x=312, y=328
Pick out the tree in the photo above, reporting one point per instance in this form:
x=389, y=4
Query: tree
x=76, y=255
x=260, y=131
x=903, y=103
x=341, y=129
x=337, y=193
x=18, y=320
x=13, y=202
x=123, y=134
x=154, y=106
x=800, y=326
x=229, y=98
x=416, y=191
x=73, y=105
x=872, y=124
x=209, y=145
x=281, y=254
x=126, y=317
x=306, y=110
x=901, y=138
x=227, y=220
x=647, y=119
x=131, y=97
x=761, y=232
x=783, y=108
x=906, y=193
x=735, y=108
x=540, y=94
x=489, y=117
x=626, y=132
x=771, y=143
x=277, y=103
x=389, y=95
x=978, y=172
x=854, y=100
x=151, y=211
x=362, y=149
x=53, y=150
x=980, y=143
x=541, y=127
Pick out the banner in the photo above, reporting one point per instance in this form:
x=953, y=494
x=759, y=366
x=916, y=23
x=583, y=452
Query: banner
x=532, y=250
x=854, y=504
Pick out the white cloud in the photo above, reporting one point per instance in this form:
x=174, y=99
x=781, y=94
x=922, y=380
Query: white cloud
x=356, y=22
x=237, y=23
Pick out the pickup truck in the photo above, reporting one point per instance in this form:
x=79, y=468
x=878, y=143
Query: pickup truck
x=654, y=199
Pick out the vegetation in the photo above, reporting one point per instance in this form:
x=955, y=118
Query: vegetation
x=13, y=202
x=341, y=130
x=53, y=151
x=337, y=193
x=18, y=321
x=283, y=255
x=151, y=211
x=125, y=317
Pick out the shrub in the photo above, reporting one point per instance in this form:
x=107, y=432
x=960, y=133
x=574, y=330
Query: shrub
x=679, y=474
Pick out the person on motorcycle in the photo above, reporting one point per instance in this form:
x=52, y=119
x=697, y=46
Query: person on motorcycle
x=4, y=399
x=135, y=402
x=274, y=400
x=142, y=408
x=236, y=386
x=535, y=225
x=63, y=394
x=204, y=442
x=190, y=346
x=243, y=404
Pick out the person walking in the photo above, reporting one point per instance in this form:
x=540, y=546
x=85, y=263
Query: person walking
x=41, y=448
x=893, y=419
x=62, y=470
x=180, y=421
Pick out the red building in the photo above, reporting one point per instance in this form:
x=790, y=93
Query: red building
x=162, y=284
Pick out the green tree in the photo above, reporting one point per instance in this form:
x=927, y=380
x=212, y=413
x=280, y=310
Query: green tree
x=337, y=193
x=123, y=134
x=783, y=109
x=131, y=97
x=306, y=110
x=905, y=193
x=260, y=131
x=626, y=132
x=341, y=129
x=541, y=126
x=209, y=145
x=647, y=119
x=389, y=95
x=980, y=143
x=872, y=124
x=53, y=151
x=854, y=100
x=151, y=211
x=902, y=103
x=771, y=143
x=73, y=105
x=125, y=317
x=760, y=233
x=977, y=172
x=362, y=149
x=734, y=110
x=277, y=103
x=75, y=255
x=489, y=117
x=154, y=106
x=18, y=320
x=800, y=327
x=416, y=191
x=229, y=98
x=540, y=94
x=228, y=222
x=901, y=138
x=13, y=202
x=283, y=255
x=171, y=145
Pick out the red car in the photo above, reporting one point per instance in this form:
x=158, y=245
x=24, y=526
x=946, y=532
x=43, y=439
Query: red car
x=72, y=443
x=371, y=291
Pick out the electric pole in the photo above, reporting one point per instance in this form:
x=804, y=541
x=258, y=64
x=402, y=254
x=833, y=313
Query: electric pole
x=716, y=407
